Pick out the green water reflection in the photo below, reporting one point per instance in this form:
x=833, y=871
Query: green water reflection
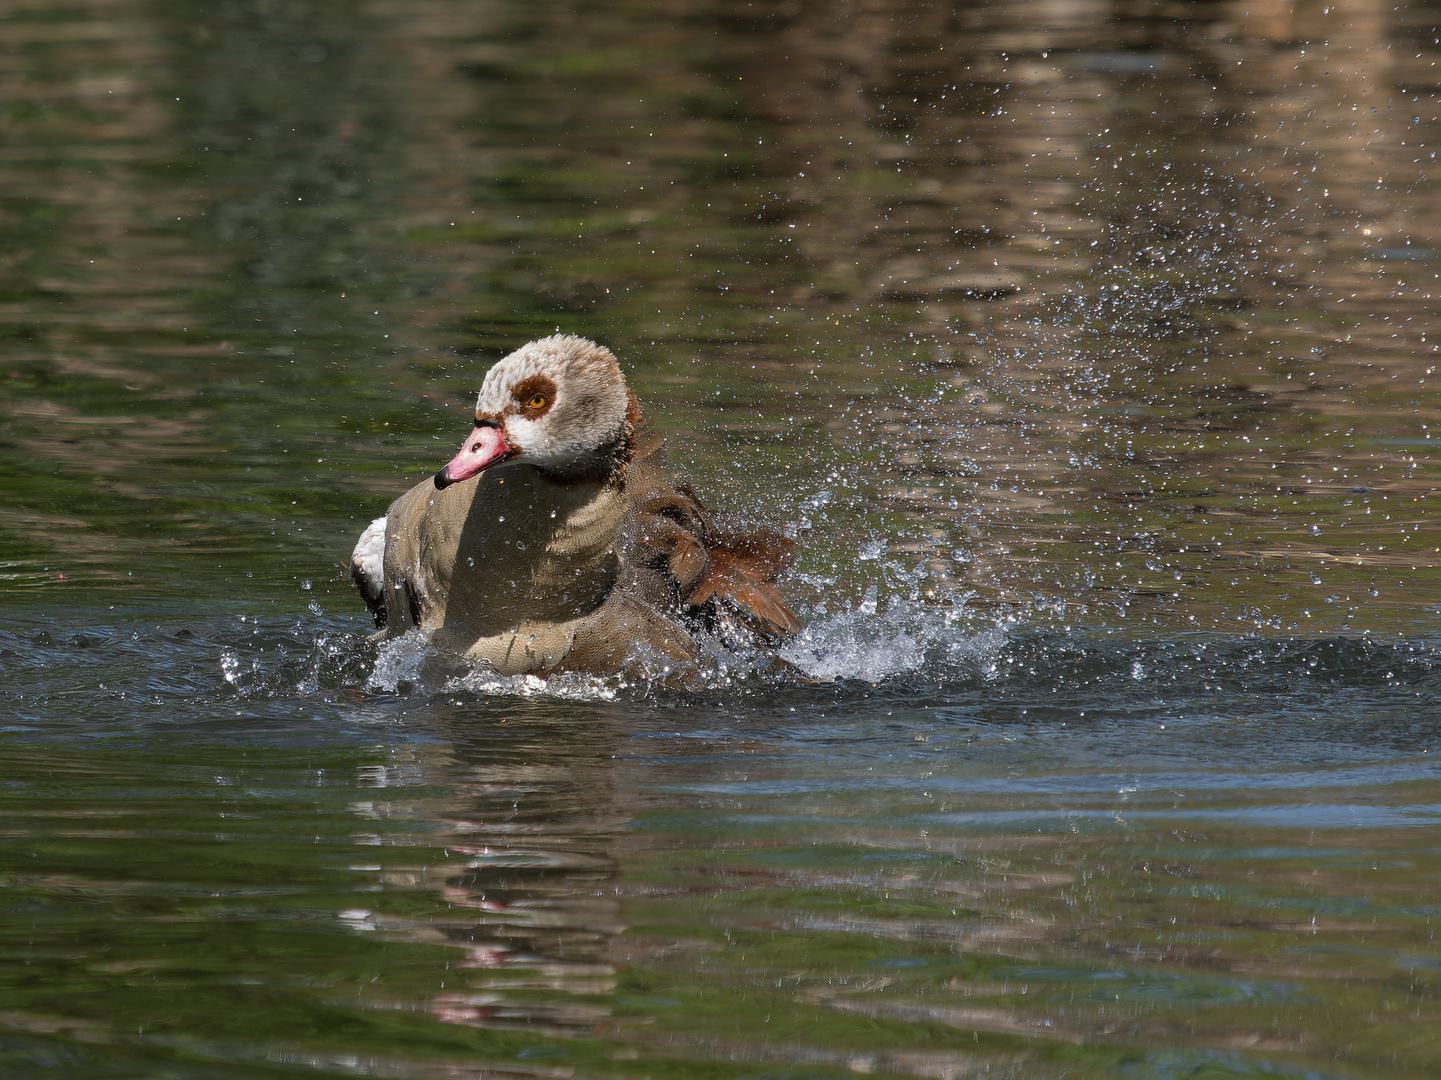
x=493, y=888
x=1105, y=330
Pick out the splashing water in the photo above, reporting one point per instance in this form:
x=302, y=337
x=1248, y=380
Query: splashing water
x=862, y=645
x=905, y=639
x=409, y=662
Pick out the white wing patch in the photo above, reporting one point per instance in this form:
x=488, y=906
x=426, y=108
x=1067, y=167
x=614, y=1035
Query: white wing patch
x=367, y=562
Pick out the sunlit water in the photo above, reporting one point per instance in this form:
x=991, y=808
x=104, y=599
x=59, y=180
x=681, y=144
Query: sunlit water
x=1088, y=351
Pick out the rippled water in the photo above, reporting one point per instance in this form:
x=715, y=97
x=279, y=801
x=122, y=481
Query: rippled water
x=1088, y=349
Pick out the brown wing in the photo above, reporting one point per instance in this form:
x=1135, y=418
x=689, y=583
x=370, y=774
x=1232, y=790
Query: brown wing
x=741, y=570
x=711, y=570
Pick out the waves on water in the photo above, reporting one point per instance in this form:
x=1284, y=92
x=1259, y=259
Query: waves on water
x=914, y=652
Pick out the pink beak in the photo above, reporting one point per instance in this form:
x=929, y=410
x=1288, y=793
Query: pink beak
x=483, y=447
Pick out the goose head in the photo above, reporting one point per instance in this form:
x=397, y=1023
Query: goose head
x=560, y=404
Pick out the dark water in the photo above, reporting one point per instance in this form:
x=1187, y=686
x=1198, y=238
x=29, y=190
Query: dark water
x=1089, y=350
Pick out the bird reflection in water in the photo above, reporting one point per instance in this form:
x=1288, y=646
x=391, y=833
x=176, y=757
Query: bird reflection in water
x=529, y=880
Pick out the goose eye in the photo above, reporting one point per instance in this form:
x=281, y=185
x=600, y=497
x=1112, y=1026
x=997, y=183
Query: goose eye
x=536, y=402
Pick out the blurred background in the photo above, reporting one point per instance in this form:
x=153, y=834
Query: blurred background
x=1086, y=312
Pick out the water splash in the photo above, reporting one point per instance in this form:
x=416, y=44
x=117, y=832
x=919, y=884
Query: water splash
x=905, y=639
x=398, y=662
x=863, y=645
x=410, y=662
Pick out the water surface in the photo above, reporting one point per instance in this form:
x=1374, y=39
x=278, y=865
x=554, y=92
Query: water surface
x=1089, y=352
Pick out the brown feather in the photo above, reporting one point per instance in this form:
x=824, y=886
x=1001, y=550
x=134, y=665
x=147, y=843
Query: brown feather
x=688, y=562
x=770, y=614
x=723, y=569
x=764, y=553
x=730, y=581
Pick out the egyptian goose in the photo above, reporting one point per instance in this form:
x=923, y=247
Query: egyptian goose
x=558, y=540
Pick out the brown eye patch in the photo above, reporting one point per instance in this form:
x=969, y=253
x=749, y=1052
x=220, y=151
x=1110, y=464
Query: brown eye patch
x=535, y=395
